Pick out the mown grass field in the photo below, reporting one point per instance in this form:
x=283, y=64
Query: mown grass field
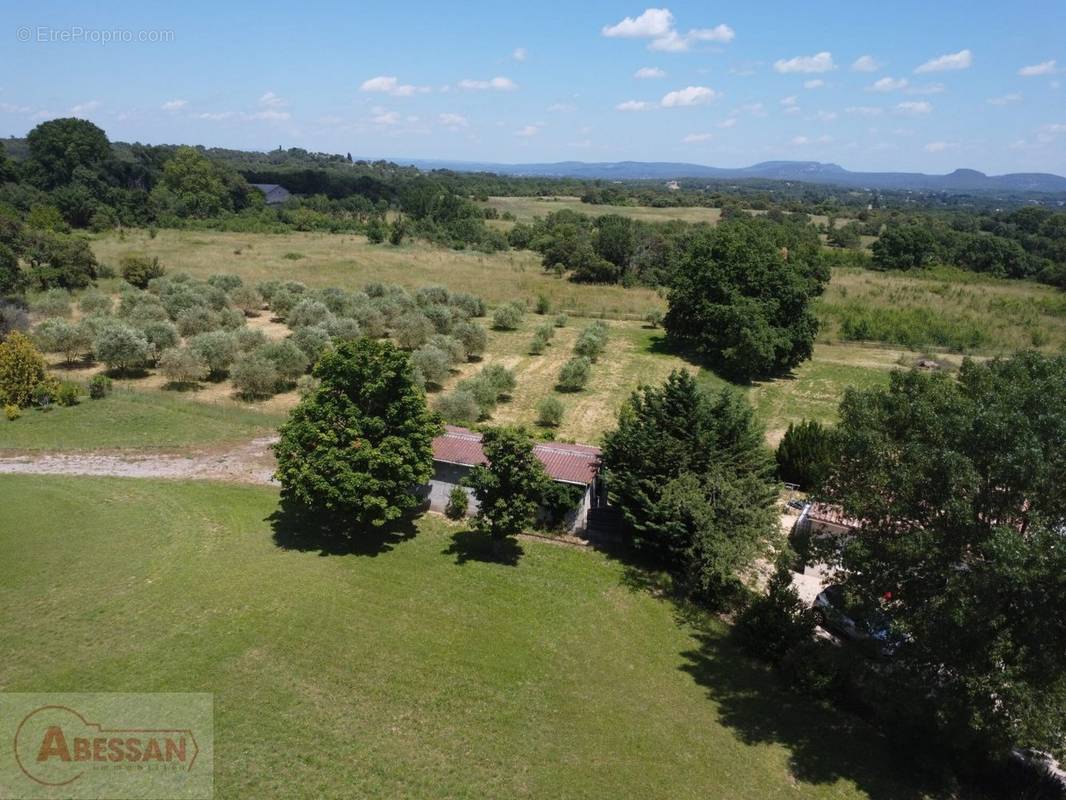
x=134, y=419
x=408, y=668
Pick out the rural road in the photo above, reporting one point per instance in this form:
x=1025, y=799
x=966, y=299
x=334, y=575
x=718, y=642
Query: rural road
x=251, y=462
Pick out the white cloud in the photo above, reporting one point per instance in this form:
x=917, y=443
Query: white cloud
x=649, y=72
x=865, y=111
x=1047, y=133
x=825, y=116
x=820, y=62
x=865, y=64
x=693, y=138
x=271, y=100
x=1004, y=100
x=86, y=108
x=8, y=108
x=633, y=105
x=674, y=42
x=800, y=140
x=653, y=22
x=755, y=109
x=453, y=121
x=528, y=130
x=888, y=84
x=816, y=83
x=1043, y=68
x=382, y=117
x=174, y=105
x=939, y=147
x=520, y=54
x=789, y=101
x=215, y=116
x=689, y=96
x=914, y=107
x=928, y=88
x=562, y=108
x=657, y=24
x=728, y=123
x=960, y=60
x=270, y=115
x=390, y=84
x=498, y=83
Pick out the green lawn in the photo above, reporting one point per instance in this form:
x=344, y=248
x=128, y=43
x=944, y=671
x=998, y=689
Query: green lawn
x=132, y=420
x=413, y=669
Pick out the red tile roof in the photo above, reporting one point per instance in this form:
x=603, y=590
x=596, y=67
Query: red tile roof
x=570, y=463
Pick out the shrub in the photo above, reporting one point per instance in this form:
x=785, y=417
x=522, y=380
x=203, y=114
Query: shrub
x=226, y=281
x=95, y=302
x=550, y=412
x=592, y=340
x=500, y=378
x=371, y=321
x=574, y=374
x=307, y=312
x=53, y=303
x=806, y=454
x=538, y=343
x=99, y=387
x=218, y=348
x=248, y=300
x=122, y=347
x=313, y=341
x=249, y=339
x=288, y=359
x=413, y=330
x=67, y=394
x=775, y=623
x=468, y=304
x=231, y=319
x=431, y=295
x=560, y=321
x=654, y=318
x=449, y=344
x=473, y=336
x=139, y=269
x=160, y=334
x=547, y=330
x=507, y=317
x=433, y=363
x=182, y=365
x=483, y=392
x=12, y=412
x=459, y=407
x=12, y=318
x=255, y=376
x=343, y=329
x=440, y=316
x=56, y=335
x=543, y=304
x=281, y=302
x=199, y=319
x=458, y=503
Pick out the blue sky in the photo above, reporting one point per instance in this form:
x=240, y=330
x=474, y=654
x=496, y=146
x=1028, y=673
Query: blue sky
x=928, y=86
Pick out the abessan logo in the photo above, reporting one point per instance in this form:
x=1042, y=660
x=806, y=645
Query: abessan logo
x=107, y=745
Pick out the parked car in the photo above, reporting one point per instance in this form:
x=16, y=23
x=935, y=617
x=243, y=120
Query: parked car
x=872, y=630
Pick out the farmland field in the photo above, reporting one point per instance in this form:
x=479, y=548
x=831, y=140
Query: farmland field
x=407, y=668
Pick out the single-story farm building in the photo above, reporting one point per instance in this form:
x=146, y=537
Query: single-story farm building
x=458, y=450
x=274, y=193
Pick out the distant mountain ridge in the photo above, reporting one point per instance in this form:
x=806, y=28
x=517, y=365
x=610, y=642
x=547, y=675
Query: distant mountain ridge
x=968, y=180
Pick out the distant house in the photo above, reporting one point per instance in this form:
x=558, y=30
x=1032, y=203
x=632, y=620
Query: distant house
x=458, y=450
x=274, y=193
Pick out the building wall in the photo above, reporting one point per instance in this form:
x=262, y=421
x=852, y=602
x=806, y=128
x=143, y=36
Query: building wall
x=447, y=476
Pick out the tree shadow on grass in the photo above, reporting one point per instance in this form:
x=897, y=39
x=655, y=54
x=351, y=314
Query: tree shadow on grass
x=825, y=745
x=305, y=530
x=474, y=545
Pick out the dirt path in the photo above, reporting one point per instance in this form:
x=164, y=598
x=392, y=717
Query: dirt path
x=252, y=462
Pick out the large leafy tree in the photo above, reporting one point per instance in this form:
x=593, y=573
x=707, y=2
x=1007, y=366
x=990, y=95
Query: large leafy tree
x=740, y=300
x=509, y=490
x=60, y=146
x=959, y=491
x=360, y=443
x=693, y=478
x=805, y=454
